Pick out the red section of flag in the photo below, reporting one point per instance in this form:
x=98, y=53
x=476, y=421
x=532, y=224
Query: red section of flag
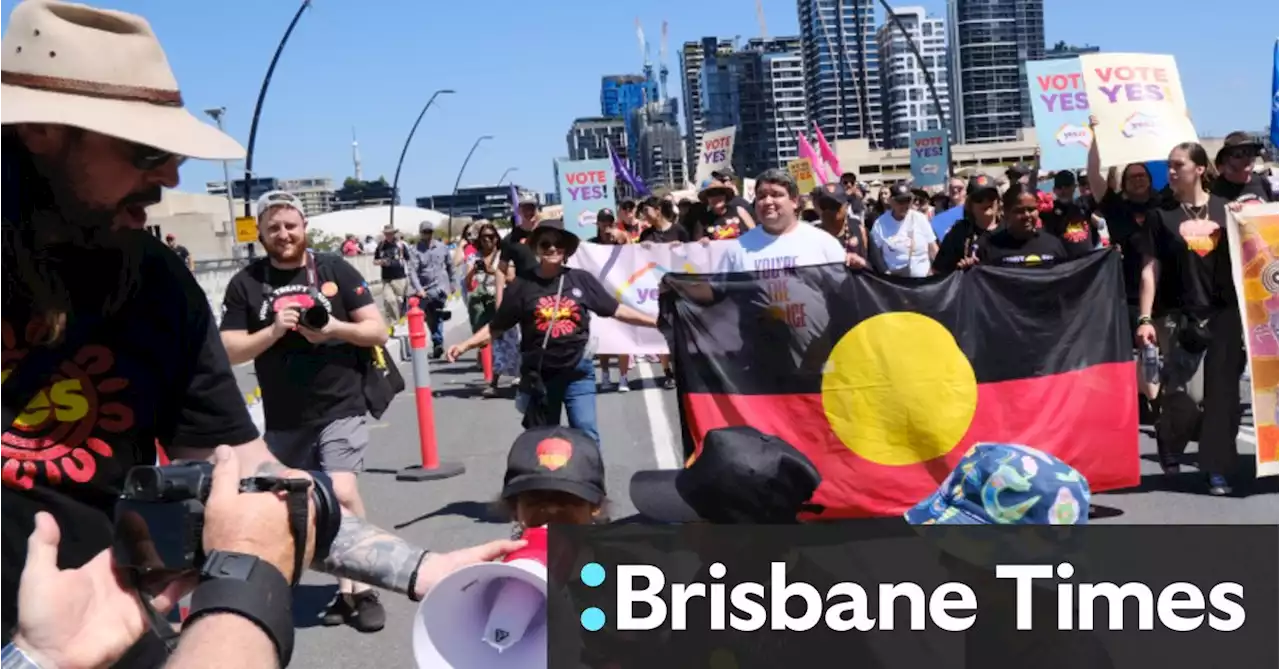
x=1086, y=417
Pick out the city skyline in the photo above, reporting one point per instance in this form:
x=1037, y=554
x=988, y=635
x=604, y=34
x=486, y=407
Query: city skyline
x=347, y=66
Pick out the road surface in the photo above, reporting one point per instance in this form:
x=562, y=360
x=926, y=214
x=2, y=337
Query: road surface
x=639, y=430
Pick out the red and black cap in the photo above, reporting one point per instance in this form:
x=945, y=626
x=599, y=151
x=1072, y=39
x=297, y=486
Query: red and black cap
x=562, y=459
x=980, y=184
x=902, y=192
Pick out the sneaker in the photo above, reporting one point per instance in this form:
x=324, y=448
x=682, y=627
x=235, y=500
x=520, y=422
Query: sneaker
x=624, y=386
x=437, y=352
x=337, y=612
x=669, y=382
x=1218, y=485
x=367, y=612
x=606, y=385
x=489, y=391
x=1171, y=469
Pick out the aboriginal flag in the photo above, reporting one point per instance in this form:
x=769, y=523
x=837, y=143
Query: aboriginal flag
x=886, y=382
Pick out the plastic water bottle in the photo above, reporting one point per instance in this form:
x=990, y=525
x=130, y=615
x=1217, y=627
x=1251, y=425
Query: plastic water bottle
x=1150, y=363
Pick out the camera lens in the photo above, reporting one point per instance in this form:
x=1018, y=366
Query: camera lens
x=316, y=317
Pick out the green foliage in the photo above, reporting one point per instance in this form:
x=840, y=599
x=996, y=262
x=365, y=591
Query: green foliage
x=319, y=241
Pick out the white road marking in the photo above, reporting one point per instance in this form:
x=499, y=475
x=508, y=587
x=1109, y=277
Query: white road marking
x=664, y=442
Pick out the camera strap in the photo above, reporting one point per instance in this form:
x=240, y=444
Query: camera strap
x=297, y=495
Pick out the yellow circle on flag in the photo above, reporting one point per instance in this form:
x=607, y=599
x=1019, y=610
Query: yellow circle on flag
x=897, y=389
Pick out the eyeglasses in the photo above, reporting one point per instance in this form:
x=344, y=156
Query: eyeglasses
x=147, y=158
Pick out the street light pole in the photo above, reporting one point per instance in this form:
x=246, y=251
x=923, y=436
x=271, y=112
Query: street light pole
x=257, y=111
x=217, y=116
x=395, y=183
x=504, y=174
x=928, y=72
x=457, y=181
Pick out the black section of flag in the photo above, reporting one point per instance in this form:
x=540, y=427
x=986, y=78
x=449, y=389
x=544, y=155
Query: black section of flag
x=772, y=332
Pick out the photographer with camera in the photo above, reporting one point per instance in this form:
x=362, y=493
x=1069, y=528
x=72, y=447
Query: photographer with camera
x=89, y=616
x=431, y=279
x=111, y=350
x=307, y=321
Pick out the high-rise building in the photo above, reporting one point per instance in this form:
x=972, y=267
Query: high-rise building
x=1064, y=50
x=621, y=95
x=989, y=42
x=591, y=137
x=759, y=90
x=908, y=103
x=660, y=159
x=692, y=57
x=491, y=202
x=316, y=193
x=842, y=68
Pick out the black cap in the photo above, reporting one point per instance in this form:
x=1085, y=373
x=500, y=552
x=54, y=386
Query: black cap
x=1018, y=171
x=554, y=226
x=555, y=458
x=1234, y=140
x=605, y=216
x=832, y=192
x=1064, y=179
x=980, y=183
x=725, y=174
x=741, y=476
x=901, y=191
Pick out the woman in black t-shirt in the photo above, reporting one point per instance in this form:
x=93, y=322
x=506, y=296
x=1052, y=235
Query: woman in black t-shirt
x=1020, y=242
x=1187, y=240
x=553, y=307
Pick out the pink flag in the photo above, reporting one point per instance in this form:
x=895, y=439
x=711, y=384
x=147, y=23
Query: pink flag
x=806, y=151
x=827, y=154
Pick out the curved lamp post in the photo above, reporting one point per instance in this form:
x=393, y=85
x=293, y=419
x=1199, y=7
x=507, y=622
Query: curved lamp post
x=459, y=179
x=928, y=73
x=395, y=184
x=509, y=170
x=257, y=111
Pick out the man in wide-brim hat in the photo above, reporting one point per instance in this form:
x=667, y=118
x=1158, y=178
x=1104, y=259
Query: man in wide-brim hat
x=110, y=345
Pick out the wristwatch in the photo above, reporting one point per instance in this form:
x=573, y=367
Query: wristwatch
x=251, y=588
x=13, y=658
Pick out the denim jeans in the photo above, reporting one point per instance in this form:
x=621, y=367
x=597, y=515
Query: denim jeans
x=576, y=392
x=435, y=324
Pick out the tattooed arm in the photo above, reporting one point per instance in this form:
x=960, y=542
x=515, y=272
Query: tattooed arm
x=363, y=552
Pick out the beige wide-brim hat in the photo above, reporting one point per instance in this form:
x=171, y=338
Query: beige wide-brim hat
x=103, y=71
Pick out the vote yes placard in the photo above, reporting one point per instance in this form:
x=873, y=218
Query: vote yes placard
x=586, y=187
x=1138, y=101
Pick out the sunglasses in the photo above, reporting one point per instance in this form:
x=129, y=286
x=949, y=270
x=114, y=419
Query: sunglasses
x=1242, y=152
x=549, y=244
x=146, y=158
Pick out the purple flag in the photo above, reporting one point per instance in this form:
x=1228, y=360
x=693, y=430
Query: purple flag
x=620, y=168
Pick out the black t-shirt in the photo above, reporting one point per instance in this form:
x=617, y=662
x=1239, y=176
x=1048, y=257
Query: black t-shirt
x=675, y=233
x=518, y=254
x=302, y=383
x=531, y=304
x=1002, y=249
x=1070, y=223
x=153, y=373
x=856, y=213
x=960, y=242
x=1256, y=189
x=394, y=256
x=729, y=226
x=1125, y=222
x=183, y=254
x=1191, y=245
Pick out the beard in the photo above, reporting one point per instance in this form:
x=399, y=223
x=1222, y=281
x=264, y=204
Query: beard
x=287, y=254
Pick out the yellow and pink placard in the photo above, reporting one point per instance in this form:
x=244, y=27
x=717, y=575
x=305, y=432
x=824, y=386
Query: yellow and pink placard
x=1252, y=235
x=1138, y=102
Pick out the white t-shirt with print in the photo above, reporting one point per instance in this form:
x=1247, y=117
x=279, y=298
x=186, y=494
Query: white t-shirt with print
x=796, y=299
x=803, y=246
x=895, y=238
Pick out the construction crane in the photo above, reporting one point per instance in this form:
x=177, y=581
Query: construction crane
x=764, y=30
x=662, y=64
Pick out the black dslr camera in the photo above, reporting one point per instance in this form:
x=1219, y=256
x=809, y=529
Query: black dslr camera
x=159, y=528
x=315, y=317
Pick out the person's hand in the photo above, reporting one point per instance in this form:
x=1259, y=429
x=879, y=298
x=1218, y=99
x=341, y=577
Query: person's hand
x=1093, y=121
x=436, y=566
x=966, y=263
x=253, y=523
x=705, y=241
x=286, y=320
x=454, y=352
x=1146, y=334
x=1235, y=207
x=646, y=245
x=855, y=261
x=320, y=336
x=676, y=245
x=79, y=618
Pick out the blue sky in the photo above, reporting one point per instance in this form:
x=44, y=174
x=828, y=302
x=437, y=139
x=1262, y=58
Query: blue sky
x=525, y=69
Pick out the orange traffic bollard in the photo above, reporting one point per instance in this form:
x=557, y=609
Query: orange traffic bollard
x=431, y=467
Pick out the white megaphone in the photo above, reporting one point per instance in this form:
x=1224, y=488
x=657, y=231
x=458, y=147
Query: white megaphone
x=488, y=616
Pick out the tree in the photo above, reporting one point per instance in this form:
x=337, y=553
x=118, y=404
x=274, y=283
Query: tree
x=325, y=243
